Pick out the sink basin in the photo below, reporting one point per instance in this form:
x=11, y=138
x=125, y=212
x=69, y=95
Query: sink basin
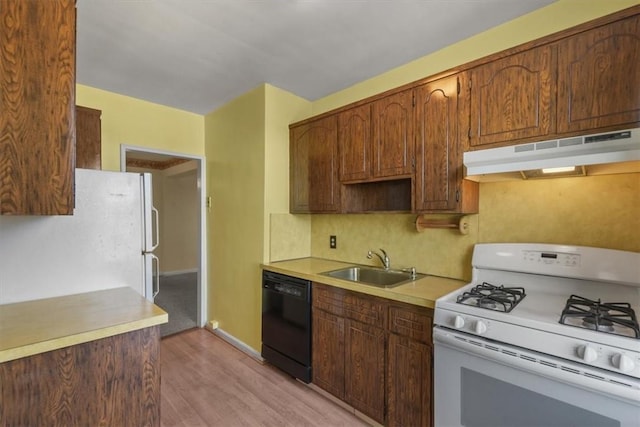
x=373, y=276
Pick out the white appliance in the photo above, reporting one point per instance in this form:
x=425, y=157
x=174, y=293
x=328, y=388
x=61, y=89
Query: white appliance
x=106, y=243
x=612, y=148
x=555, y=344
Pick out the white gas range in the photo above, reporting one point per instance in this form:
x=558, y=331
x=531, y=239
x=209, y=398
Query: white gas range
x=551, y=330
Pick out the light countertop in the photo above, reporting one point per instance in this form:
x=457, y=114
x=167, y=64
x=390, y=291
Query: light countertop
x=422, y=292
x=33, y=327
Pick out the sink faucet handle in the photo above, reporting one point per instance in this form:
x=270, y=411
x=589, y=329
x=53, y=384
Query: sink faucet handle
x=411, y=270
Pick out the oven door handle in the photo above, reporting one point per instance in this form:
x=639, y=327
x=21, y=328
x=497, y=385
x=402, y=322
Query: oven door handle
x=596, y=380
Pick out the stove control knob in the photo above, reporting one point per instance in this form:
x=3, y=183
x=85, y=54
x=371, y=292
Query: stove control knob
x=458, y=322
x=623, y=362
x=481, y=327
x=587, y=353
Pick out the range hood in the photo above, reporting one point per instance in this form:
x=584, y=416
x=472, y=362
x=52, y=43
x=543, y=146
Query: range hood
x=595, y=154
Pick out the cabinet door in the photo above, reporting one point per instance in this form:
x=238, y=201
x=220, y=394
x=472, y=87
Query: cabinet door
x=438, y=160
x=354, y=143
x=88, y=138
x=409, y=398
x=328, y=352
x=314, y=185
x=393, y=144
x=37, y=99
x=513, y=98
x=599, y=77
x=364, y=369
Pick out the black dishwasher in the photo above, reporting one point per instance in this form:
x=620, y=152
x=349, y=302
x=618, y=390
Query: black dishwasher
x=286, y=323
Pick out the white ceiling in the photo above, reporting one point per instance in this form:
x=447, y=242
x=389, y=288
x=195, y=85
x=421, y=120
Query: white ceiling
x=196, y=55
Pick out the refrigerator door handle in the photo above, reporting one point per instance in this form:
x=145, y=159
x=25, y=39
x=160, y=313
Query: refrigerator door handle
x=156, y=276
x=156, y=231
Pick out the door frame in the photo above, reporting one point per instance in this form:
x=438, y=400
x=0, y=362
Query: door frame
x=202, y=228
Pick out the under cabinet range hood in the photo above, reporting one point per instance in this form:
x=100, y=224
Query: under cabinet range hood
x=595, y=154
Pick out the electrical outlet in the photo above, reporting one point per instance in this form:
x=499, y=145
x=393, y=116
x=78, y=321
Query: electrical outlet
x=333, y=242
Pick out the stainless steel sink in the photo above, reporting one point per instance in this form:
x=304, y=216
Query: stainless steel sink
x=373, y=276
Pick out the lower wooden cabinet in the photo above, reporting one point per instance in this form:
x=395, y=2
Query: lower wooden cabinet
x=364, y=369
x=328, y=352
x=374, y=354
x=409, y=382
x=112, y=381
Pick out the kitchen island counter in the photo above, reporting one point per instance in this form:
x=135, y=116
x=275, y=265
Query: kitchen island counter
x=421, y=292
x=34, y=327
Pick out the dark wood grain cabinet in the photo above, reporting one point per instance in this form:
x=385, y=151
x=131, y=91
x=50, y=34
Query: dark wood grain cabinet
x=349, y=342
x=355, y=144
x=442, y=115
x=88, y=138
x=374, y=354
x=37, y=114
x=599, y=78
x=313, y=152
x=513, y=98
x=393, y=145
x=409, y=368
x=112, y=381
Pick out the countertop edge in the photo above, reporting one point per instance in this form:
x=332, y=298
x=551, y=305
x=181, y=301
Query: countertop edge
x=422, y=292
x=75, y=319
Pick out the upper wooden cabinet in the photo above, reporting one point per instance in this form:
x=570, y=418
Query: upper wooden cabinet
x=599, y=77
x=513, y=98
x=393, y=146
x=355, y=144
x=313, y=150
x=88, y=138
x=441, y=118
x=37, y=107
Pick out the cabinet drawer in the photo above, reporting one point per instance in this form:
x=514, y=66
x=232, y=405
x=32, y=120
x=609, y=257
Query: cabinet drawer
x=351, y=305
x=365, y=309
x=411, y=321
x=328, y=299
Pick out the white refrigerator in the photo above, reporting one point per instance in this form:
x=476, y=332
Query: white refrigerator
x=106, y=243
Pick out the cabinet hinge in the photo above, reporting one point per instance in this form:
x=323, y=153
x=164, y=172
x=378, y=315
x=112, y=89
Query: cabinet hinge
x=457, y=196
x=458, y=83
x=413, y=100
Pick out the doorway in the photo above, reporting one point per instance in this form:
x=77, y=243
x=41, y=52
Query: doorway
x=179, y=195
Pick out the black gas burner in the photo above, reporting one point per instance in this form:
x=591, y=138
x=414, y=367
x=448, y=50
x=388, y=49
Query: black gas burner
x=490, y=297
x=613, y=317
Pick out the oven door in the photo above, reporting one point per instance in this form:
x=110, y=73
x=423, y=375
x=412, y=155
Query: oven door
x=479, y=383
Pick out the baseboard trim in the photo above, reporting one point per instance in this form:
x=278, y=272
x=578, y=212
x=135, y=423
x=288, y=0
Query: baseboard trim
x=236, y=343
x=176, y=272
x=343, y=405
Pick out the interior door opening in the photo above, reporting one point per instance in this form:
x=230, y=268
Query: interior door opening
x=178, y=194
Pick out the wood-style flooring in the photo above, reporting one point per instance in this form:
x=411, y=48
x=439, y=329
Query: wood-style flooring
x=208, y=382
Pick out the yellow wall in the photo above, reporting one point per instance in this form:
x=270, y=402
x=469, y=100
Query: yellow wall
x=247, y=144
x=235, y=136
x=131, y=121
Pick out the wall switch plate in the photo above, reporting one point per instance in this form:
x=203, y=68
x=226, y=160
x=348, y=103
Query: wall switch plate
x=332, y=242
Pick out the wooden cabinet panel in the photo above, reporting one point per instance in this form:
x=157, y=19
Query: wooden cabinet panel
x=364, y=369
x=393, y=144
x=328, y=352
x=409, y=383
x=411, y=321
x=88, y=138
x=441, y=116
x=599, y=78
x=37, y=98
x=514, y=98
x=354, y=143
x=314, y=185
x=113, y=381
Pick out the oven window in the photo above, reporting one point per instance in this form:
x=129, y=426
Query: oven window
x=489, y=402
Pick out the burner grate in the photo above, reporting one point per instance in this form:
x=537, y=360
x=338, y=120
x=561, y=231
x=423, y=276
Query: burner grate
x=491, y=297
x=616, y=318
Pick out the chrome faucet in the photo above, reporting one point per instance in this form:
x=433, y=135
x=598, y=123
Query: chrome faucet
x=384, y=258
